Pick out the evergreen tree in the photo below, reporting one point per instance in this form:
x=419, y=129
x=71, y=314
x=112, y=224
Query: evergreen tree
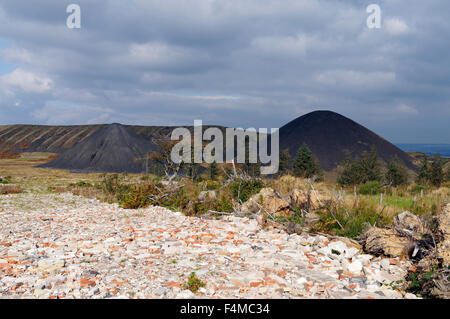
x=350, y=174
x=424, y=172
x=396, y=173
x=285, y=162
x=436, y=174
x=370, y=166
x=362, y=170
x=305, y=165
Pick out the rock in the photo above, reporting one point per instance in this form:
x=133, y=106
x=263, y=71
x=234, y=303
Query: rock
x=443, y=234
x=293, y=228
x=161, y=291
x=324, y=251
x=269, y=201
x=439, y=284
x=362, y=281
x=338, y=246
x=364, y=258
x=385, y=264
x=351, y=243
x=110, y=252
x=378, y=241
x=410, y=223
x=207, y=195
x=355, y=267
x=441, y=255
x=299, y=199
x=84, y=282
x=311, y=219
x=351, y=252
x=185, y=294
x=344, y=264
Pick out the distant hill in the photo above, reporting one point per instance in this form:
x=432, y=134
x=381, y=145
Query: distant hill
x=329, y=134
x=113, y=148
x=57, y=139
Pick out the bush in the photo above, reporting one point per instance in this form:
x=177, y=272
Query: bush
x=212, y=185
x=370, y=188
x=193, y=283
x=138, y=196
x=360, y=170
x=418, y=189
x=82, y=184
x=353, y=220
x=243, y=190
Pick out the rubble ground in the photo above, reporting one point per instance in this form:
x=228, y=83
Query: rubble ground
x=66, y=246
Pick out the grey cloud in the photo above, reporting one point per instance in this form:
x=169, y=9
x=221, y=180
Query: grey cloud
x=229, y=62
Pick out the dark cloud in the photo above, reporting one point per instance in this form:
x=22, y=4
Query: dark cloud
x=240, y=63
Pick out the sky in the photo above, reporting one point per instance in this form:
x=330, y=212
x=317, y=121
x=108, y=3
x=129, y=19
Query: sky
x=238, y=63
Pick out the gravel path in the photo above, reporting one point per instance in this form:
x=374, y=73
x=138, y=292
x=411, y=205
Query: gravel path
x=65, y=246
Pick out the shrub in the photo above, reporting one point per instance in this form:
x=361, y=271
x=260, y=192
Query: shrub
x=418, y=188
x=138, y=196
x=362, y=170
x=242, y=190
x=212, y=185
x=370, y=188
x=353, y=220
x=82, y=184
x=193, y=283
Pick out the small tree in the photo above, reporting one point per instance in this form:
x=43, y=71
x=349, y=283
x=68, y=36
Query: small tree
x=162, y=157
x=436, y=175
x=305, y=165
x=350, y=174
x=424, y=172
x=285, y=162
x=370, y=166
x=362, y=170
x=396, y=173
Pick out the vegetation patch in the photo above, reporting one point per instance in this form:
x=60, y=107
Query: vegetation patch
x=193, y=283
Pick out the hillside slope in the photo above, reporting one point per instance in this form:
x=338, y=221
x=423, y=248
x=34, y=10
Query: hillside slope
x=113, y=148
x=329, y=134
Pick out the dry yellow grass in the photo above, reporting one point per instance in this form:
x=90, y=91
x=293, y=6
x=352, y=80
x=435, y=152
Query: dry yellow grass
x=10, y=189
x=39, y=180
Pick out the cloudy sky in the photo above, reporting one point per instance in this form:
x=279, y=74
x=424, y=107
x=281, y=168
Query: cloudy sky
x=240, y=63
